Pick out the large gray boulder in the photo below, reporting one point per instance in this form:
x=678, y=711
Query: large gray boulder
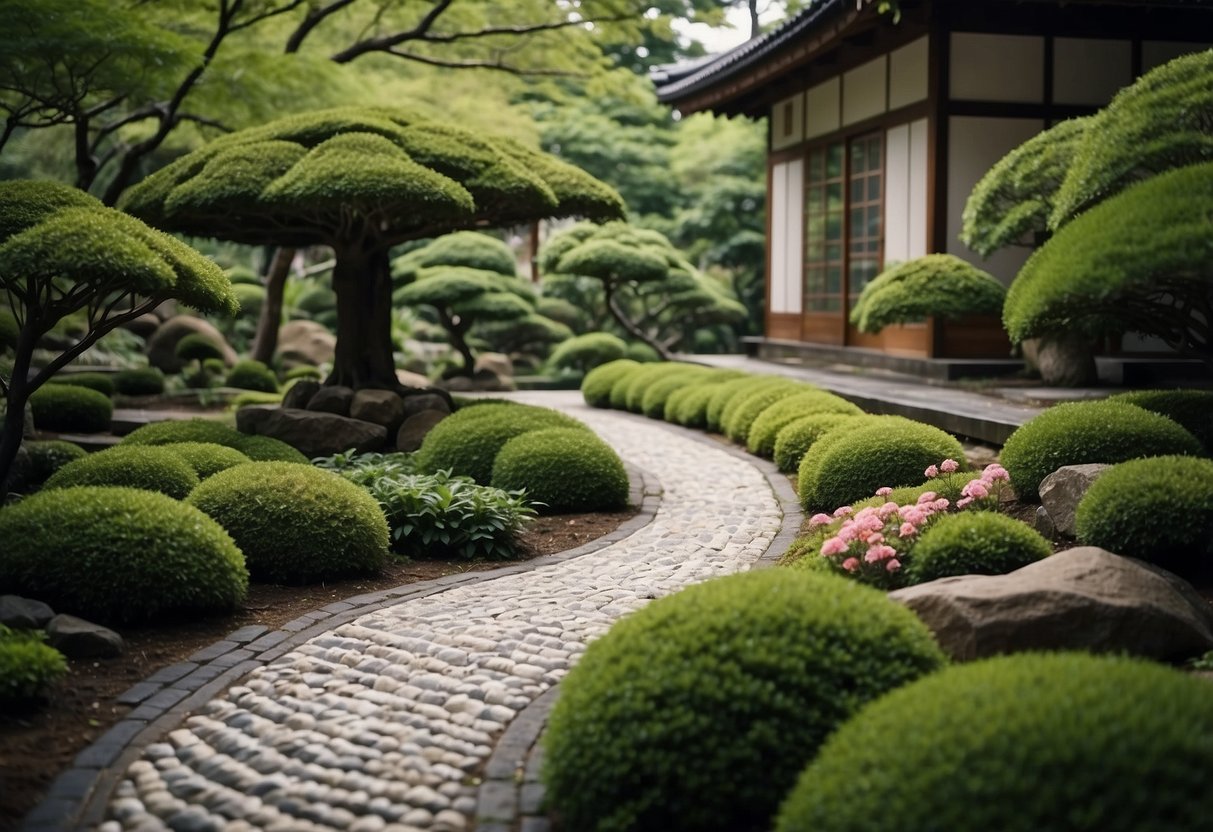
x=24, y=613
x=1062, y=359
x=380, y=407
x=80, y=639
x=414, y=429
x=313, y=433
x=1080, y=599
x=305, y=342
x=162, y=345
x=1061, y=492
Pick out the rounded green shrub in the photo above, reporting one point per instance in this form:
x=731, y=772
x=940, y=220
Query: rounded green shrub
x=296, y=524
x=467, y=442
x=184, y=430
x=974, y=543
x=1076, y=433
x=47, y=457
x=1158, y=509
x=119, y=555
x=850, y=464
x=629, y=392
x=725, y=394
x=197, y=347
x=743, y=411
x=597, y=385
x=689, y=406
x=1019, y=744
x=796, y=437
x=583, y=353
x=940, y=285
x=766, y=426
x=103, y=383
x=67, y=409
x=133, y=466
x=28, y=667
x=251, y=298
x=304, y=371
x=1190, y=409
x=241, y=275
x=698, y=711
x=655, y=396
x=268, y=449
x=206, y=458
x=642, y=352
x=755, y=387
x=252, y=375
x=139, y=381
x=564, y=470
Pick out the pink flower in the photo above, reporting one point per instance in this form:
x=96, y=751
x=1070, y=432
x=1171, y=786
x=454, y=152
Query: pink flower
x=893, y=565
x=833, y=546
x=976, y=489
x=941, y=504
x=907, y=530
x=843, y=511
x=887, y=510
x=820, y=520
x=875, y=538
x=879, y=552
x=881, y=492
x=963, y=501
x=932, y=472
x=848, y=532
x=926, y=497
x=850, y=564
x=995, y=472
x=913, y=514
x=948, y=466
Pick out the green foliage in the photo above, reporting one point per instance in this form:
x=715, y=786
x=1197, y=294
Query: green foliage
x=849, y=464
x=9, y=330
x=242, y=275
x=642, y=352
x=296, y=524
x=698, y=711
x=688, y=406
x=197, y=347
x=1159, y=122
x=1191, y=409
x=206, y=458
x=267, y=449
x=562, y=311
x=252, y=375
x=1137, y=262
x=795, y=438
x=184, y=430
x=304, y=371
x=1158, y=509
x=462, y=248
x=583, y=353
x=739, y=415
x=974, y=543
x=250, y=297
x=103, y=383
x=250, y=398
x=132, y=466
x=729, y=398
x=1019, y=743
x=47, y=457
x=467, y=442
x=139, y=381
x=563, y=470
x=941, y=285
x=119, y=555
x=69, y=409
x=630, y=392
x=1076, y=433
x=765, y=427
x=657, y=395
x=1015, y=197
x=365, y=468
x=28, y=667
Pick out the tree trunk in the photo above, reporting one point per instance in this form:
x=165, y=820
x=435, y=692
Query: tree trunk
x=265, y=344
x=362, y=282
x=13, y=429
x=458, y=333
x=629, y=326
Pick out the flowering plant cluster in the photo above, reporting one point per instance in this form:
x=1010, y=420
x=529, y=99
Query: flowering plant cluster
x=875, y=543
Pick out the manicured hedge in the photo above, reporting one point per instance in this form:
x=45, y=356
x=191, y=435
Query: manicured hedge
x=268, y=449
x=585, y=352
x=940, y=285
x=563, y=470
x=184, y=430
x=45, y=458
x=207, y=458
x=974, y=543
x=795, y=438
x=103, y=383
x=638, y=383
x=766, y=426
x=139, y=381
x=742, y=412
x=68, y=409
x=597, y=385
x=252, y=375
x=720, y=399
x=657, y=394
x=133, y=466
x=689, y=405
x=1191, y=409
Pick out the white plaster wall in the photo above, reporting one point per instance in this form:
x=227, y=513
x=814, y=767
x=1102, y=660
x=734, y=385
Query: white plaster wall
x=1090, y=71
x=905, y=207
x=1158, y=52
x=823, y=108
x=918, y=242
x=996, y=67
x=864, y=92
x=786, y=243
x=908, y=74
x=787, y=131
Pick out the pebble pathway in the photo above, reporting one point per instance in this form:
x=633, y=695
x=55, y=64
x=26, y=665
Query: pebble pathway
x=383, y=722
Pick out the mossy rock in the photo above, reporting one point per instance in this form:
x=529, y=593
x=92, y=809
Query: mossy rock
x=1190, y=409
x=45, y=458
x=1158, y=510
x=764, y=429
x=741, y=413
x=563, y=470
x=1075, y=433
x=139, y=381
x=132, y=466
x=698, y=711
x=974, y=543
x=252, y=375
x=103, y=383
x=597, y=385
x=65, y=408
x=796, y=437
x=1024, y=743
x=296, y=524
x=206, y=458
x=28, y=668
x=118, y=555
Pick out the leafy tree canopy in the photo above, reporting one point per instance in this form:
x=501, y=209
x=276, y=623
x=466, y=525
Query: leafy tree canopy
x=462, y=248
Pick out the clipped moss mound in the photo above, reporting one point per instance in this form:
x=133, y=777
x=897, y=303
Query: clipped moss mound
x=207, y=458
x=742, y=412
x=103, y=383
x=66, y=408
x=119, y=555
x=1019, y=743
x=583, y=353
x=796, y=437
x=714, y=418
x=1076, y=433
x=597, y=385
x=252, y=375
x=45, y=458
x=1158, y=509
x=184, y=430
x=851, y=464
x=974, y=543
x=139, y=381
x=296, y=524
x=268, y=449
x=563, y=469
x=143, y=467
x=940, y=285
x=28, y=668
x=1190, y=409
x=698, y=711
x=765, y=427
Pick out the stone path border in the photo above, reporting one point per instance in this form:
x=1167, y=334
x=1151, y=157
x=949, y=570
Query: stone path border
x=79, y=796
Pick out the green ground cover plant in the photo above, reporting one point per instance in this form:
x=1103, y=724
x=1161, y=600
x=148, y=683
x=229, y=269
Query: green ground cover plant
x=741, y=413
x=252, y=375
x=45, y=457
x=1191, y=409
x=583, y=353
x=206, y=458
x=28, y=668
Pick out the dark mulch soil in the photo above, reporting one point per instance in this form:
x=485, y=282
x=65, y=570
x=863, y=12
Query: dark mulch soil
x=34, y=748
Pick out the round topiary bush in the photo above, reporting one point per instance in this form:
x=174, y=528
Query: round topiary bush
x=743, y=411
x=1190, y=409
x=563, y=469
x=642, y=353
x=795, y=438
x=766, y=426
x=133, y=466
x=139, y=381
x=206, y=458
x=974, y=543
x=653, y=399
x=103, y=383
x=850, y=464
x=251, y=297
x=119, y=555
x=597, y=385
x=1158, y=509
x=68, y=409
x=940, y=285
x=197, y=347
x=1075, y=433
x=28, y=667
x=635, y=385
x=47, y=457
x=1020, y=744
x=583, y=353
x=726, y=393
x=184, y=430
x=252, y=375
x=296, y=524
x=689, y=406
x=304, y=371
x=698, y=711
x=268, y=449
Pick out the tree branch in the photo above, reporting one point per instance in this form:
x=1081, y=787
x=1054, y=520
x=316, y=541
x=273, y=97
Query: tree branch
x=500, y=67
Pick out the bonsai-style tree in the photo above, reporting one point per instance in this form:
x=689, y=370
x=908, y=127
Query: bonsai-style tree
x=937, y=284
x=63, y=252
x=1142, y=261
x=647, y=286
x=361, y=180
x=463, y=248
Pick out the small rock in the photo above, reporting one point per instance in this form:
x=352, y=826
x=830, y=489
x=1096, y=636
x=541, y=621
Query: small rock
x=24, y=613
x=1044, y=523
x=420, y=401
x=381, y=407
x=415, y=428
x=1063, y=490
x=80, y=639
x=300, y=393
x=332, y=399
